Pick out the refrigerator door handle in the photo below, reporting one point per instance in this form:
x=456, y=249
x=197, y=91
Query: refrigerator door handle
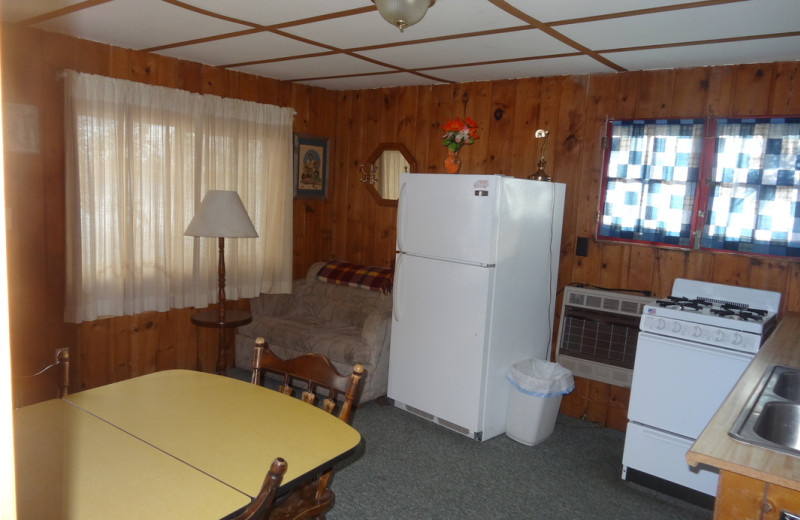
x=401, y=204
x=397, y=289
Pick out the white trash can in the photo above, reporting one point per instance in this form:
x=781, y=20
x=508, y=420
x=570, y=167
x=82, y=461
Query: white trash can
x=534, y=399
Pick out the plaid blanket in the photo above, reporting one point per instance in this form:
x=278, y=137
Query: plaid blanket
x=357, y=275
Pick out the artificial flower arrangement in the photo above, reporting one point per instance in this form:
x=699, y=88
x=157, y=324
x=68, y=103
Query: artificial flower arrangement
x=458, y=133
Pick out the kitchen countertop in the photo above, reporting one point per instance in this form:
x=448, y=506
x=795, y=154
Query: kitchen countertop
x=715, y=448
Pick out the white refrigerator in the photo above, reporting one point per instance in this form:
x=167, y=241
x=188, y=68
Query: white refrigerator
x=474, y=292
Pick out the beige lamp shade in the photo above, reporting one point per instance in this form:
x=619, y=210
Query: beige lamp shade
x=221, y=214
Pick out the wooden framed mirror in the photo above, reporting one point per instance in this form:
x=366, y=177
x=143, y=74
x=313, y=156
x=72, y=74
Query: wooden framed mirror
x=389, y=160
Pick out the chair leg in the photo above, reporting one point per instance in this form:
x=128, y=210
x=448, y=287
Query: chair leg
x=324, y=479
x=322, y=488
x=303, y=504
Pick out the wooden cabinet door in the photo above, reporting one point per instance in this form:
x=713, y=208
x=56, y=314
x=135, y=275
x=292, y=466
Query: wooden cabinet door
x=746, y=498
x=738, y=497
x=780, y=499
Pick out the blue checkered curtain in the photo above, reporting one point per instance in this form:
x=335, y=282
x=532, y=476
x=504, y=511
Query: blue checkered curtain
x=651, y=180
x=754, y=197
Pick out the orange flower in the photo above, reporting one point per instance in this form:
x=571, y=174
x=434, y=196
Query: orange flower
x=458, y=133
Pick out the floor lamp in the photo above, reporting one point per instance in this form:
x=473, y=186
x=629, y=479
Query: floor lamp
x=221, y=215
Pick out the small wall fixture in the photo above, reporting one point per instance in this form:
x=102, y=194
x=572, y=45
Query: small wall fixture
x=540, y=174
x=370, y=176
x=403, y=13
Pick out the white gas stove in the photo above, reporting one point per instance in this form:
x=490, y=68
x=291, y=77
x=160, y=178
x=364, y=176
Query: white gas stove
x=692, y=348
x=727, y=316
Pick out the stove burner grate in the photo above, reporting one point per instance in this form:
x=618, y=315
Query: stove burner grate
x=723, y=309
x=735, y=311
x=740, y=308
x=684, y=304
x=750, y=315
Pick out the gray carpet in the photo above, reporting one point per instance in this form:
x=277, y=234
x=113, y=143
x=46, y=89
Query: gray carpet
x=409, y=468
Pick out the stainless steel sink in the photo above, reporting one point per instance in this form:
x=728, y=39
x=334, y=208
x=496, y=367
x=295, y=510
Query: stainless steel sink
x=771, y=417
x=788, y=385
x=778, y=423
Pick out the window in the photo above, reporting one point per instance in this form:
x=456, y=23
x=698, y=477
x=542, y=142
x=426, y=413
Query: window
x=754, y=182
x=139, y=161
x=728, y=184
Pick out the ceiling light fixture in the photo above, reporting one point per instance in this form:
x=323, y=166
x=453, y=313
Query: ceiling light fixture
x=403, y=13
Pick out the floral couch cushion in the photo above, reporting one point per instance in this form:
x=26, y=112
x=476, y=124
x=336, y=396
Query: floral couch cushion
x=347, y=324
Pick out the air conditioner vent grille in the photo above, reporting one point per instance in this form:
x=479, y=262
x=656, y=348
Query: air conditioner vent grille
x=595, y=302
x=599, y=340
x=575, y=298
x=598, y=332
x=631, y=307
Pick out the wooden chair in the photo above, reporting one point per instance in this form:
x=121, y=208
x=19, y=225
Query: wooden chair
x=261, y=505
x=25, y=386
x=311, y=500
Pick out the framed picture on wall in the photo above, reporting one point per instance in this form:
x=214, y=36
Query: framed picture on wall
x=310, y=167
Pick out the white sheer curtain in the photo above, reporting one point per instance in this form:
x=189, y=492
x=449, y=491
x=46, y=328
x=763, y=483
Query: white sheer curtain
x=139, y=160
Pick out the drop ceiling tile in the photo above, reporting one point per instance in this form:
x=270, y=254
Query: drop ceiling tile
x=523, y=69
x=554, y=11
x=319, y=67
x=276, y=11
x=518, y=44
x=141, y=24
x=138, y=24
x=242, y=49
x=397, y=79
x=446, y=17
x=13, y=11
x=729, y=53
x=749, y=18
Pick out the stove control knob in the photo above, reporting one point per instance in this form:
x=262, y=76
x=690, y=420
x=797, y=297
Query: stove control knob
x=676, y=326
x=737, y=339
x=719, y=336
x=661, y=324
x=697, y=331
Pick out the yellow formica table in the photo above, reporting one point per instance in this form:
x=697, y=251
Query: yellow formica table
x=72, y=465
x=229, y=429
x=224, y=429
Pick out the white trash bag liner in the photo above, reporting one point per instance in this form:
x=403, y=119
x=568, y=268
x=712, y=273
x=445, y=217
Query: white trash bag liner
x=540, y=378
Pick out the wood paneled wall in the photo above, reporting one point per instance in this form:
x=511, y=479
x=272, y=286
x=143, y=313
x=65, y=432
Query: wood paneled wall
x=574, y=109
x=113, y=349
x=349, y=224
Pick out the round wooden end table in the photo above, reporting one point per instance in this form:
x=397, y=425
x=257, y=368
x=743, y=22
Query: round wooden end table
x=230, y=319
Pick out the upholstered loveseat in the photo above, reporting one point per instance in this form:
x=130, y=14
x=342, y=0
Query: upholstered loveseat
x=340, y=310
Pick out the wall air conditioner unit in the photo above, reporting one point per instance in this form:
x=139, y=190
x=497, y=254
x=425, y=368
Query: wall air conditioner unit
x=597, y=334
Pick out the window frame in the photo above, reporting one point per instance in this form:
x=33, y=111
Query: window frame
x=703, y=190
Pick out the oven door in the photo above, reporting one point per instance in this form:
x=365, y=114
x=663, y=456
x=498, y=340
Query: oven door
x=678, y=385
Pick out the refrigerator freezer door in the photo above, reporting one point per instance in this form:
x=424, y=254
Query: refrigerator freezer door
x=439, y=339
x=452, y=217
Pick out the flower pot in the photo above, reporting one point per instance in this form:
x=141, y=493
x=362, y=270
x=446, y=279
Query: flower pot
x=452, y=163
